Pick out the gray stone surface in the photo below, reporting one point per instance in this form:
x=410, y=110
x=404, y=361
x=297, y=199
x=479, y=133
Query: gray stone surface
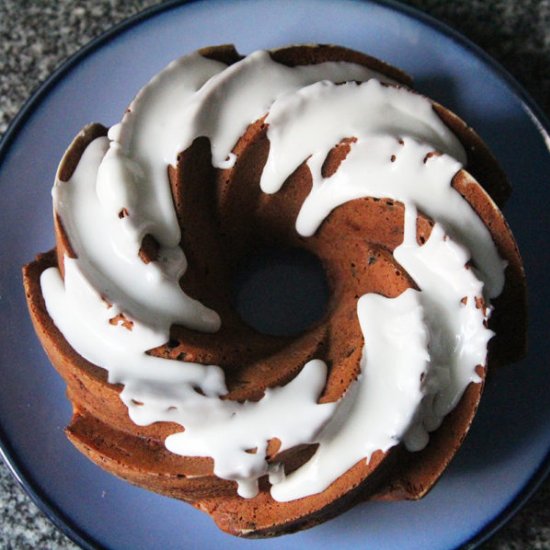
x=36, y=36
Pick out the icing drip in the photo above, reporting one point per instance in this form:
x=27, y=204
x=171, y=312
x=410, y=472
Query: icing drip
x=224, y=107
x=459, y=338
x=387, y=122
x=143, y=144
x=376, y=410
x=119, y=192
x=275, y=414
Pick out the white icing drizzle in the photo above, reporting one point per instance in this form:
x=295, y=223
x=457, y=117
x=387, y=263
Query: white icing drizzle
x=128, y=174
x=273, y=416
x=379, y=118
x=317, y=117
x=143, y=144
x=223, y=108
x=459, y=337
x=376, y=411
x=437, y=334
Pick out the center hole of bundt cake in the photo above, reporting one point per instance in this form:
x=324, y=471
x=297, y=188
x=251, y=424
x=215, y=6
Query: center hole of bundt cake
x=280, y=291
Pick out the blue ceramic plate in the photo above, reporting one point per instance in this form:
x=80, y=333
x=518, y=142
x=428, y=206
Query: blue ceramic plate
x=506, y=453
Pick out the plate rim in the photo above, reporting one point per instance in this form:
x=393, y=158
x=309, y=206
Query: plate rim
x=539, y=118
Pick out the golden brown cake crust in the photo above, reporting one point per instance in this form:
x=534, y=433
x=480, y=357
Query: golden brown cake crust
x=355, y=245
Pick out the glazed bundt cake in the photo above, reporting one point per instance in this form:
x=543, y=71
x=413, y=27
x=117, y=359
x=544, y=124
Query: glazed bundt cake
x=313, y=147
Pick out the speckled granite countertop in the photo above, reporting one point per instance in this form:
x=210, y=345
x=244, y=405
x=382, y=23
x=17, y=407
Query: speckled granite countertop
x=37, y=35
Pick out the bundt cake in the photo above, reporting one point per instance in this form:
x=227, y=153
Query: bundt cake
x=313, y=147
